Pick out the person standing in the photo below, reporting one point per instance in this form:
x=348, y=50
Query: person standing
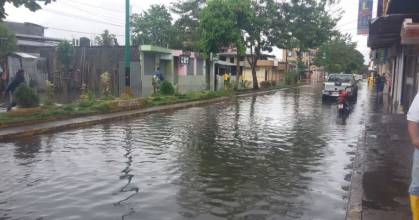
x=226, y=78
x=413, y=123
x=18, y=79
x=379, y=83
x=157, y=80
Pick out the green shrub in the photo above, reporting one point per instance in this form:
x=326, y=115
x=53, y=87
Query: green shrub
x=85, y=103
x=101, y=107
x=105, y=84
x=273, y=83
x=291, y=78
x=26, y=97
x=166, y=88
x=49, y=90
x=264, y=84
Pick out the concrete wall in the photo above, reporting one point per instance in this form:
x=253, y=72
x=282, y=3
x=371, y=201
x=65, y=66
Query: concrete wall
x=191, y=83
x=158, y=59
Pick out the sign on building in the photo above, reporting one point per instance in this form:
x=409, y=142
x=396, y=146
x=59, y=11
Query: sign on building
x=184, y=59
x=410, y=32
x=364, y=16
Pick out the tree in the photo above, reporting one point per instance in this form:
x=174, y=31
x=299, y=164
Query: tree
x=218, y=28
x=309, y=26
x=187, y=26
x=259, y=31
x=30, y=4
x=7, y=41
x=106, y=39
x=153, y=26
x=340, y=55
x=65, y=54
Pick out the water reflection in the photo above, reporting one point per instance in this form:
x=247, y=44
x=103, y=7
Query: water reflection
x=27, y=148
x=126, y=173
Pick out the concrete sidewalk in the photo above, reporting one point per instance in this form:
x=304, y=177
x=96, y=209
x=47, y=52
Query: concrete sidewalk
x=382, y=169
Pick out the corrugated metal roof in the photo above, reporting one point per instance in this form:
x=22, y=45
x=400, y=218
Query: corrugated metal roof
x=25, y=55
x=36, y=43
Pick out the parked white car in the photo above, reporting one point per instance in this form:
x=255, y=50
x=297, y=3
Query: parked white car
x=338, y=82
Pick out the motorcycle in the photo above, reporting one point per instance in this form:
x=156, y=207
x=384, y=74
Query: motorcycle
x=343, y=105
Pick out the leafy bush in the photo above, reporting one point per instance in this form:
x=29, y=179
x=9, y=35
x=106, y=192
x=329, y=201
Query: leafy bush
x=65, y=53
x=273, y=83
x=264, y=84
x=86, y=94
x=245, y=84
x=166, y=88
x=291, y=78
x=26, y=97
x=49, y=92
x=268, y=84
x=105, y=84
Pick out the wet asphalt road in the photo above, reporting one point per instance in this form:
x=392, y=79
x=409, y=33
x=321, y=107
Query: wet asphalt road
x=285, y=155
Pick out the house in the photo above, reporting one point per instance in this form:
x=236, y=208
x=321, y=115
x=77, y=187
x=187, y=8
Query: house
x=30, y=37
x=189, y=70
x=267, y=68
x=290, y=57
x=312, y=72
x=186, y=70
x=393, y=39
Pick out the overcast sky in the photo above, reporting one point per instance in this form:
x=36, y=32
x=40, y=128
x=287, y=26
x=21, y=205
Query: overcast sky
x=69, y=19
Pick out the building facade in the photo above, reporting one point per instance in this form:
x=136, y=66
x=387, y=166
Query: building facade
x=393, y=38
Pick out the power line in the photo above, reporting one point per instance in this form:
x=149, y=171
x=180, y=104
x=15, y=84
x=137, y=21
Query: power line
x=90, y=12
x=78, y=17
x=77, y=32
x=98, y=7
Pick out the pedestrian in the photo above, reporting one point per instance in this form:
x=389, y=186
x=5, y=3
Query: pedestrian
x=157, y=79
x=18, y=79
x=379, y=83
x=413, y=123
x=226, y=79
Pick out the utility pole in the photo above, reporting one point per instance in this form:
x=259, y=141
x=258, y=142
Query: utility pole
x=127, y=56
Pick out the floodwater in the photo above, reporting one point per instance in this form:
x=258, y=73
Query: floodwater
x=284, y=155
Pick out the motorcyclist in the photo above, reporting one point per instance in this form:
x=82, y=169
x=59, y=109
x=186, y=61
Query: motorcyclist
x=343, y=94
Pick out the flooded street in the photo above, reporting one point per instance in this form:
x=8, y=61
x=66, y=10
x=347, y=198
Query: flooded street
x=285, y=155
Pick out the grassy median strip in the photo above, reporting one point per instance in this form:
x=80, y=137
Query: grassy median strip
x=88, y=105
x=92, y=106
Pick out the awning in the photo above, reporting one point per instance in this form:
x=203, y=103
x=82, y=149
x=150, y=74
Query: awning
x=25, y=55
x=403, y=7
x=224, y=63
x=385, y=31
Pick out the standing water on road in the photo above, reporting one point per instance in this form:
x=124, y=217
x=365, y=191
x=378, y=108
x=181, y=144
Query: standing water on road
x=279, y=156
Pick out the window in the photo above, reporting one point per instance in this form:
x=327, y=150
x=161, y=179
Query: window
x=340, y=78
x=191, y=67
x=200, y=67
x=231, y=59
x=149, y=64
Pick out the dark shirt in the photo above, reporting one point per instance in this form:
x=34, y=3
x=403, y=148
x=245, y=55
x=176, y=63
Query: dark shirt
x=15, y=82
x=159, y=75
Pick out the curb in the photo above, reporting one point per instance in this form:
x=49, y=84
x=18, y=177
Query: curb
x=8, y=134
x=354, y=209
x=356, y=191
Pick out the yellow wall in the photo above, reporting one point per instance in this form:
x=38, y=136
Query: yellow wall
x=260, y=73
